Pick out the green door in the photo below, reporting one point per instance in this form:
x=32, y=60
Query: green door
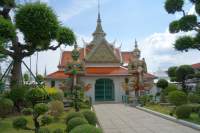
x=104, y=90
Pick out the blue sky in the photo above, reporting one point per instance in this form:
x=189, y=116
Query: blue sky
x=123, y=21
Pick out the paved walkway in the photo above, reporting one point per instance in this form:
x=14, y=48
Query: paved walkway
x=118, y=118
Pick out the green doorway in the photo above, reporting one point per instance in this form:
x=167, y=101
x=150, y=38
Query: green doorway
x=104, y=90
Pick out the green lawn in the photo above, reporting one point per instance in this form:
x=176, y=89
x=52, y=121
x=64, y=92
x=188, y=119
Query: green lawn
x=194, y=118
x=6, y=124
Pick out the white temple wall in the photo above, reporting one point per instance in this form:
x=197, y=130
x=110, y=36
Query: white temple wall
x=117, y=80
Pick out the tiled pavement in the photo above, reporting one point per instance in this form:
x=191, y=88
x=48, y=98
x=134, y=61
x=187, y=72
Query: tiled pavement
x=118, y=118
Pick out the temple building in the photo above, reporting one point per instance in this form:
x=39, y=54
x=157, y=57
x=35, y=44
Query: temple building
x=105, y=72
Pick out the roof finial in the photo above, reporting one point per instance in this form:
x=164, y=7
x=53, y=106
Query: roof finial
x=136, y=43
x=99, y=16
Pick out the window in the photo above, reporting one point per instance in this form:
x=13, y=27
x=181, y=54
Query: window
x=53, y=83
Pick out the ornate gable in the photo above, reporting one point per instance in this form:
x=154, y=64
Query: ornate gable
x=102, y=53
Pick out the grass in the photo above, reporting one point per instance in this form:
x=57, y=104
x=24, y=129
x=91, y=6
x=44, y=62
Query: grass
x=6, y=124
x=157, y=107
x=194, y=118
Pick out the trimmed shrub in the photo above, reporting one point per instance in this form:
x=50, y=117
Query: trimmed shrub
x=194, y=107
x=75, y=122
x=86, y=128
x=40, y=108
x=20, y=123
x=56, y=108
x=6, y=106
x=194, y=98
x=58, y=130
x=90, y=117
x=183, y=111
x=72, y=115
x=46, y=120
x=43, y=130
x=54, y=93
x=27, y=111
x=36, y=95
x=177, y=98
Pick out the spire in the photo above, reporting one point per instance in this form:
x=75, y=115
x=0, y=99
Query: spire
x=98, y=33
x=136, y=44
x=136, y=51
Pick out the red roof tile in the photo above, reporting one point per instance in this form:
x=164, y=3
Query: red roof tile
x=106, y=71
x=57, y=75
x=196, y=66
x=149, y=76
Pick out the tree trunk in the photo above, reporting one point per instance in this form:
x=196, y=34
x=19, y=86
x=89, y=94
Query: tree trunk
x=16, y=78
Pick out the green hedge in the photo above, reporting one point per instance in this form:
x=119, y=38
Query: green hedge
x=73, y=115
x=86, y=128
x=183, y=111
x=90, y=117
x=74, y=122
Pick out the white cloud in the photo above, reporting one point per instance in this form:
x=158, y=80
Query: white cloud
x=159, y=51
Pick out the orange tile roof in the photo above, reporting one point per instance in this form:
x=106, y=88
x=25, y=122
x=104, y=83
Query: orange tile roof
x=101, y=71
x=196, y=66
x=57, y=75
x=106, y=71
x=149, y=76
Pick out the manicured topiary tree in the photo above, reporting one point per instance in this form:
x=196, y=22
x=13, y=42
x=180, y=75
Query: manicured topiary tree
x=38, y=110
x=172, y=73
x=182, y=74
x=39, y=25
x=177, y=98
x=188, y=22
x=36, y=95
x=162, y=83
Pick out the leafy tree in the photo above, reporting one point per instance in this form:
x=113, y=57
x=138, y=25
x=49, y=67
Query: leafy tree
x=182, y=74
x=39, y=25
x=162, y=83
x=172, y=73
x=186, y=23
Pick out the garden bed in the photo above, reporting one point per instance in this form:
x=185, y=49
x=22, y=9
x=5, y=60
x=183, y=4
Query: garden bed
x=167, y=109
x=6, y=124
